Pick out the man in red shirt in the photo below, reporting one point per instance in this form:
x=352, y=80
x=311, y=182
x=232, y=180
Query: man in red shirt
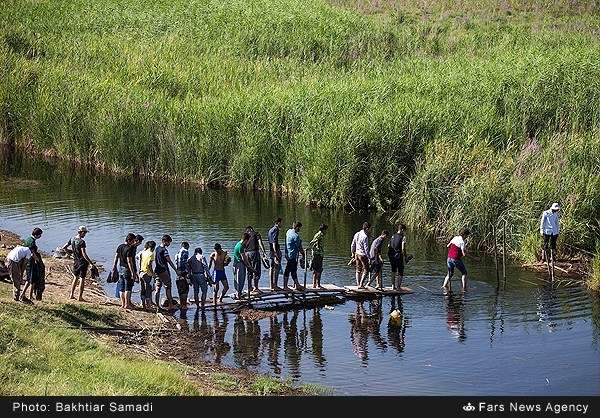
x=456, y=251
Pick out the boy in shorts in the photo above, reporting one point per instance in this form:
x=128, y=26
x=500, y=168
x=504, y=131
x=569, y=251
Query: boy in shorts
x=218, y=258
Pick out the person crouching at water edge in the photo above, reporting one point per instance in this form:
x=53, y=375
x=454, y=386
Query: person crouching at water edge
x=219, y=259
x=293, y=248
x=81, y=261
x=125, y=257
x=456, y=252
x=16, y=261
x=182, y=281
x=316, y=265
x=163, y=274
x=146, y=259
x=198, y=270
x=360, y=254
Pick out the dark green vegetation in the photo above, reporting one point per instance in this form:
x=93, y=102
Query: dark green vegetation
x=420, y=108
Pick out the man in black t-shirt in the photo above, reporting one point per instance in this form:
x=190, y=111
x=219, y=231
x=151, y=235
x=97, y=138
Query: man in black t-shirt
x=254, y=248
x=163, y=275
x=81, y=261
x=125, y=257
x=397, y=255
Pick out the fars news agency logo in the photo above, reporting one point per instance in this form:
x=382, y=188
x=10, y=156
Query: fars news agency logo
x=468, y=407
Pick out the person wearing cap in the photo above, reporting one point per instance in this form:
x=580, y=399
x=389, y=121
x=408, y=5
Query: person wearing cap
x=81, y=261
x=549, y=229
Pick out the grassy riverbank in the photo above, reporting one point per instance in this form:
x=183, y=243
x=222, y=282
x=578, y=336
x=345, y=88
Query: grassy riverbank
x=422, y=109
x=55, y=347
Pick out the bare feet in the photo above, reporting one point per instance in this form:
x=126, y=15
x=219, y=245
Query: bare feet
x=81, y=300
x=71, y=297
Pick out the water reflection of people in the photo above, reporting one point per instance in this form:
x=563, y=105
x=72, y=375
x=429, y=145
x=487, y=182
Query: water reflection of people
x=363, y=325
x=397, y=325
x=246, y=342
x=221, y=347
x=272, y=343
x=455, y=315
x=316, y=337
x=292, y=343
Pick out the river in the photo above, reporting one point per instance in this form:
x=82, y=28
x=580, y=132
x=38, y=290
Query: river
x=526, y=338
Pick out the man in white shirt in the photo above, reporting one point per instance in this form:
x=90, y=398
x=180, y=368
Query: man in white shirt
x=15, y=262
x=549, y=229
x=360, y=254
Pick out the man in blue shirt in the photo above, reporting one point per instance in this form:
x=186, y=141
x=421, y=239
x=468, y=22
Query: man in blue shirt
x=293, y=248
x=275, y=254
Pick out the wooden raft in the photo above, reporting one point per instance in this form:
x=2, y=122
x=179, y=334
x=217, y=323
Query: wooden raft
x=370, y=291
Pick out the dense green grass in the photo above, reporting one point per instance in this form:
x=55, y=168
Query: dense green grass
x=419, y=108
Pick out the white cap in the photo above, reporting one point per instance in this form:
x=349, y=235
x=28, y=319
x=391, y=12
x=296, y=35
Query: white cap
x=555, y=206
x=82, y=228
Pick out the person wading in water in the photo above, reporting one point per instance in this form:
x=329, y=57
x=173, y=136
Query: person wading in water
x=360, y=254
x=456, y=252
x=549, y=230
x=81, y=261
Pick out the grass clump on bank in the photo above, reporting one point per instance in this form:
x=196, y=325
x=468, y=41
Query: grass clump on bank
x=423, y=109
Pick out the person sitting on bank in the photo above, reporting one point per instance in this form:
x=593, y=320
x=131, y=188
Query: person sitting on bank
x=198, y=271
x=293, y=248
x=16, y=261
x=163, y=274
x=275, y=254
x=397, y=256
x=360, y=254
x=125, y=257
x=219, y=259
x=81, y=261
x=147, y=272
x=549, y=229
x=376, y=260
x=34, y=264
x=456, y=252
x=316, y=265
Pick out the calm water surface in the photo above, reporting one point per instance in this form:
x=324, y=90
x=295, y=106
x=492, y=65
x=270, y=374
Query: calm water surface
x=525, y=339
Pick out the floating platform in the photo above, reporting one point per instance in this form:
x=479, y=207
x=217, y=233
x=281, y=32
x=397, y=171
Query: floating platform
x=370, y=291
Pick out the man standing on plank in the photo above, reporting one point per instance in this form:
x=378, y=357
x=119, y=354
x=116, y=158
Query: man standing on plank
x=376, y=260
x=360, y=254
x=293, y=248
x=81, y=261
x=549, y=229
x=254, y=248
x=275, y=253
x=456, y=252
x=316, y=264
x=16, y=261
x=397, y=255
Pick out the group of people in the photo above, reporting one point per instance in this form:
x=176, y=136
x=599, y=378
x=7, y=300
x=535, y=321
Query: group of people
x=249, y=256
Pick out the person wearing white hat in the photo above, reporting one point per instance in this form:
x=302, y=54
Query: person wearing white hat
x=81, y=261
x=549, y=229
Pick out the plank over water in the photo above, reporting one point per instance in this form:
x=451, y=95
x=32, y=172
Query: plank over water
x=370, y=290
